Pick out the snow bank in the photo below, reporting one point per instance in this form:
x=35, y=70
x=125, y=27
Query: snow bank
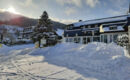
x=97, y=60
x=93, y=50
x=7, y=49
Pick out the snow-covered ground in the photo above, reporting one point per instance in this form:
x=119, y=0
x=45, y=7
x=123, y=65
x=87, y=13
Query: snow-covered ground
x=65, y=61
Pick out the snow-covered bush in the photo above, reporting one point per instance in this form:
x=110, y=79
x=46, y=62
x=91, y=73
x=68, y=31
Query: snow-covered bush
x=123, y=40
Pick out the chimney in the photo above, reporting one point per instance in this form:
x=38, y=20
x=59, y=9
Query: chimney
x=80, y=20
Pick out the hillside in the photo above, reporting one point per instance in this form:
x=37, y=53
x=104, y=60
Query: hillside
x=19, y=20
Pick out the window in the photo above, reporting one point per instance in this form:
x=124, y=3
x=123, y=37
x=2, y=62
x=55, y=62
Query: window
x=66, y=39
x=89, y=26
x=102, y=40
x=92, y=33
x=76, y=34
x=96, y=26
x=77, y=40
x=105, y=38
x=96, y=39
x=113, y=28
x=111, y=38
x=89, y=33
x=85, y=32
x=86, y=26
x=96, y=32
x=70, y=39
x=71, y=27
x=88, y=39
x=84, y=40
x=92, y=26
x=115, y=38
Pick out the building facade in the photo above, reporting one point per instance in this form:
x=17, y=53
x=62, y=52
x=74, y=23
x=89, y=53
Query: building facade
x=99, y=30
x=26, y=33
x=9, y=34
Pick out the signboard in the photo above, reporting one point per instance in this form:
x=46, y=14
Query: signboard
x=36, y=44
x=43, y=41
x=0, y=45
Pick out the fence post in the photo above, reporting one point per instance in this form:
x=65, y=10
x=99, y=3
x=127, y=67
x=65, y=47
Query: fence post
x=129, y=39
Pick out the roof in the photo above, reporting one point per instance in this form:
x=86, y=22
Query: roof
x=102, y=20
x=60, y=32
x=119, y=28
x=79, y=32
x=73, y=33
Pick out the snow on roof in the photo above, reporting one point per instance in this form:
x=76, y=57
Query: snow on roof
x=115, y=23
x=60, y=32
x=110, y=19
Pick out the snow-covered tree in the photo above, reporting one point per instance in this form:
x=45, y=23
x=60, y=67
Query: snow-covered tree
x=44, y=30
x=123, y=40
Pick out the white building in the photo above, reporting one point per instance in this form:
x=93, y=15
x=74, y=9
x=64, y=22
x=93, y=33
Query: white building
x=99, y=30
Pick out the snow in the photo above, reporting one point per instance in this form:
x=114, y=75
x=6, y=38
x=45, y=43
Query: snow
x=60, y=32
x=64, y=61
x=111, y=19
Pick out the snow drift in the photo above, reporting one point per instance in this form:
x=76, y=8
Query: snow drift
x=96, y=60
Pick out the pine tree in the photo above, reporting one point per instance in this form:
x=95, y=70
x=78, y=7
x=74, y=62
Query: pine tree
x=44, y=30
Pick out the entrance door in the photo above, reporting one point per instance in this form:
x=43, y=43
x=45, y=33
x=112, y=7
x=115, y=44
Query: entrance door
x=84, y=40
x=88, y=40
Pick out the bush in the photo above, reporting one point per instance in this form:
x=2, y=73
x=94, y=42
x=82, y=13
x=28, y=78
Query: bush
x=123, y=40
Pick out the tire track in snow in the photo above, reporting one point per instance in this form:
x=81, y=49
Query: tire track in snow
x=24, y=72
x=34, y=77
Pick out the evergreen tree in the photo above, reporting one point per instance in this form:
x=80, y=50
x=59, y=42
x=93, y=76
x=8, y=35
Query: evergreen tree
x=123, y=40
x=44, y=30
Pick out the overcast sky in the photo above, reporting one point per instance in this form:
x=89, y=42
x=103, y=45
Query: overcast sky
x=67, y=11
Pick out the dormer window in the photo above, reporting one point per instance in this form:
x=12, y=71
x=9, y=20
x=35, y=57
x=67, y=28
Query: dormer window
x=67, y=35
x=113, y=28
x=70, y=27
x=96, y=26
x=85, y=32
x=76, y=34
x=89, y=26
x=92, y=26
x=84, y=27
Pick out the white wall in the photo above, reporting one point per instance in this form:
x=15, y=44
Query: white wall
x=110, y=36
x=71, y=39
